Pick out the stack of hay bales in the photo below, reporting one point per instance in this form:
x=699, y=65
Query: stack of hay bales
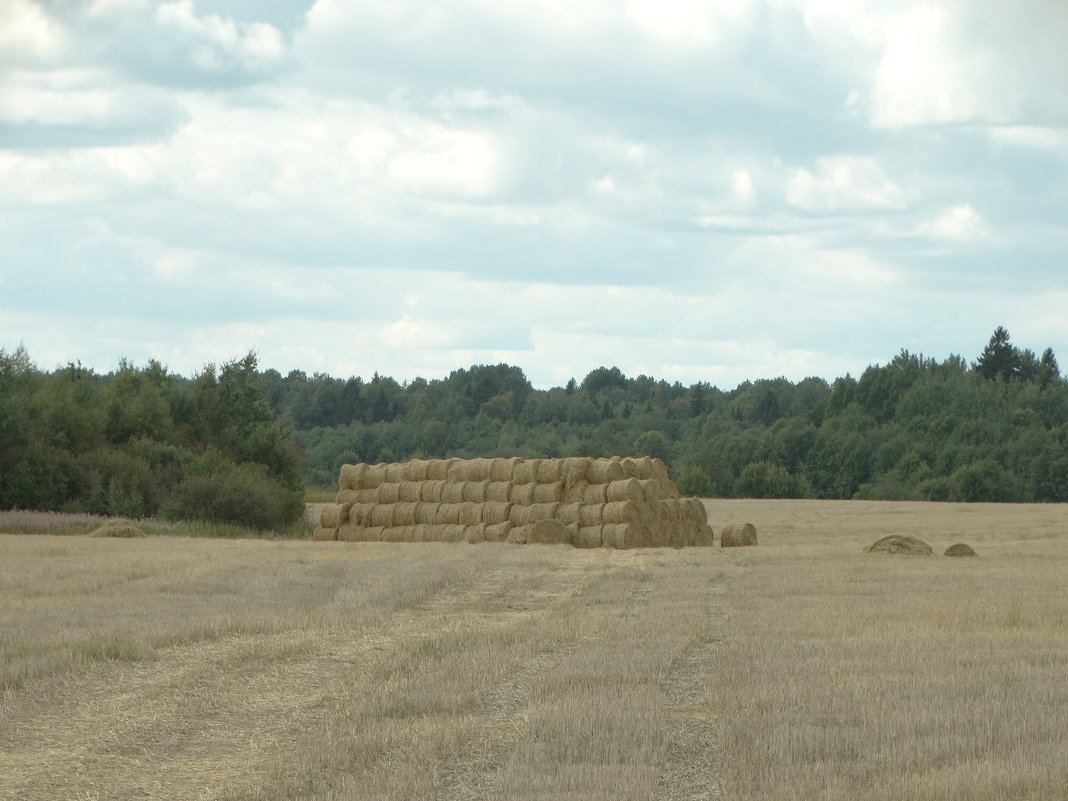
x=589, y=503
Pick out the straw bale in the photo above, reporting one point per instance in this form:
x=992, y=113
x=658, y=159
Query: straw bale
x=351, y=476
x=374, y=475
x=417, y=470
x=452, y=492
x=479, y=469
x=426, y=513
x=356, y=496
x=523, y=494
x=629, y=489
x=437, y=470
x=118, y=528
x=739, y=535
x=526, y=471
x=644, y=465
x=590, y=537
x=475, y=533
x=573, y=471
x=895, y=543
x=351, y=533
x=621, y=512
x=569, y=513
x=668, y=512
x=396, y=472
x=453, y=533
x=494, y=512
x=548, y=532
x=706, y=538
x=470, y=513
x=498, y=532
x=595, y=494
x=694, y=510
x=499, y=491
x=475, y=491
x=389, y=492
x=602, y=471
x=334, y=515
x=650, y=489
x=449, y=513
x=457, y=471
x=410, y=491
x=960, y=549
x=548, y=493
x=431, y=490
x=517, y=535
x=382, y=515
x=624, y=535
x=393, y=534
x=502, y=469
x=521, y=515
x=421, y=532
x=591, y=514
x=360, y=513
x=630, y=468
x=549, y=471
x=404, y=513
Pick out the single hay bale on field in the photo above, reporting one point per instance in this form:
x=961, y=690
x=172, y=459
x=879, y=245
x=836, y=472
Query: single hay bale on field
x=499, y=491
x=118, y=528
x=498, y=532
x=452, y=492
x=548, y=532
x=521, y=515
x=589, y=537
x=548, y=493
x=503, y=469
x=410, y=491
x=526, y=471
x=604, y=471
x=629, y=489
x=389, y=492
x=595, y=494
x=960, y=549
x=523, y=494
x=738, y=535
x=899, y=544
x=495, y=512
x=475, y=491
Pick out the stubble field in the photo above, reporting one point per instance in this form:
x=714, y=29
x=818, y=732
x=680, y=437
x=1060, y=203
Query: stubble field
x=179, y=668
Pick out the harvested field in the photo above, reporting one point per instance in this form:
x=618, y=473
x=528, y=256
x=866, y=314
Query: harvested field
x=177, y=668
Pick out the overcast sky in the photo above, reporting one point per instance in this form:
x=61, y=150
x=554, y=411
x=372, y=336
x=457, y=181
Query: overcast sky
x=697, y=191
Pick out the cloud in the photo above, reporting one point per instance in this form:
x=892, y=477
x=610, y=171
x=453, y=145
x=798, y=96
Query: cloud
x=844, y=183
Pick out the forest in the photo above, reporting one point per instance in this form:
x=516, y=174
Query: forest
x=239, y=444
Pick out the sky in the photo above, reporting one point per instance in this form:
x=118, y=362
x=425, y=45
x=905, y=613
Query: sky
x=694, y=191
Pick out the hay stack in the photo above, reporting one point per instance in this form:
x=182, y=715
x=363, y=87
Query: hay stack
x=738, y=535
x=900, y=544
x=547, y=532
x=118, y=528
x=960, y=549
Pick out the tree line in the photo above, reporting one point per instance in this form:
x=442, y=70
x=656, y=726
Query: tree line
x=144, y=441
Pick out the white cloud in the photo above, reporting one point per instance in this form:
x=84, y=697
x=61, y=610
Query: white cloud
x=959, y=224
x=28, y=36
x=843, y=183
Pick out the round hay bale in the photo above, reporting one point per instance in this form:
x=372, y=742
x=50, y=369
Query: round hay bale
x=404, y=513
x=351, y=476
x=430, y=491
x=502, y=469
x=456, y=471
x=706, y=538
x=695, y=510
x=453, y=533
x=623, y=535
x=549, y=471
x=573, y=470
x=421, y=532
x=475, y=534
x=591, y=514
x=498, y=532
x=630, y=469
x=650, y=489
x=604, y=471
x=589, y=537
x=517, y=535
x=360, y=513
x=382, y=515
x=738, y=535
x=547, y=532
x=548, y=493
x=478, y=470
x=470, y=513
x=452, y=492
x=595, y=494
x=437, y=469
x=629, y=489
x=389, y=492
x=526, y=471
x=356, y=496
x=374, y=475
x=123, y=529
x=475, y=491
x=896, y=544
x=449, y=513
x=417, y=470
x=334, y=515
x=495, y=512
x=644, y=466
x=427, y=513
x=410, y=491
x=523, y=494
x=569, y=513
x=521, y=515
x=499, y=491
x=621, y=512
x=349, y=533
x=396, y=472
x=960, y=549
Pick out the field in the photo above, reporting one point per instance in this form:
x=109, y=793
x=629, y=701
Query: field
x=186, y=668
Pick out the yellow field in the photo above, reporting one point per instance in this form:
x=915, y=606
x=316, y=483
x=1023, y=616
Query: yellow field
x=170, y=667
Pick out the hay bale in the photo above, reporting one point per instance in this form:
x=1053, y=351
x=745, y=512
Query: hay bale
x=589, y=537
x=360, y=513
x=650, y=489
x=453, y=533
x=503, y=469
x=417, y=470
x=495, y=512
x=629, y=489
x=630, y=469
x=421, y=532
x=499, y=491
x=475, y=491
x=548, y=493
x=547, y=532
x=373, y=476
x=549, y=471
x=396, y=472
x=350, y=533
x=517, y=535
x=569, y=513
x=573, y=470
x=334, y=515
x=622, y=512
x=452, y=492
x=427, y=513
x=604, y=471
x=409, y=491
x=521, y=515
x=738, y=535
x=960, y=549
x=498, y=532
x=591, y=514
x=623, y=535
x=475, y=534
x=449, y=513
x=389, y=492
x=356, y=496
x=382, y=515
x=595, y=494
x=437, y=470
x=898, y=544
x=430, y=491
x=404, y=513
x=118, y=528
x=695, y=510
x=523, y=494
x=470, y=513
x=706, y=537
x=526, y=471
x=644, y=466
x=351, y=476
x=457, y=471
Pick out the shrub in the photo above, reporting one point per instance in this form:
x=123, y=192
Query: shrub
x=242, y=495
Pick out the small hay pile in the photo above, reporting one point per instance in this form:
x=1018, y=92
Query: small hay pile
x=117, y=528
x=738, y=535
x=900, y=544
x=960, y=549
x=589, y=503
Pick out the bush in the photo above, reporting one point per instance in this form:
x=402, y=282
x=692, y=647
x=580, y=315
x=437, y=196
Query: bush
x=767, y=480
x=243, y=496
x=694, y=482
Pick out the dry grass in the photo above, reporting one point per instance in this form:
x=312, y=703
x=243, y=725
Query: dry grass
x=169, y=667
